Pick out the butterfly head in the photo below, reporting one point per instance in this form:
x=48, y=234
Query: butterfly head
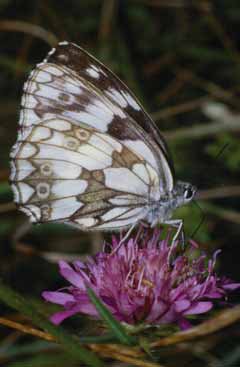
x=161, y=212
x=184, y=192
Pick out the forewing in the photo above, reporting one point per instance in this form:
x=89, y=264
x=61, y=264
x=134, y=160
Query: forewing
x=104, y=80
x=76, y=174
x=72, y=84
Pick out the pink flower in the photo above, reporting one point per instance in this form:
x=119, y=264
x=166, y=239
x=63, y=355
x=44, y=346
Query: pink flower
x=138, y=283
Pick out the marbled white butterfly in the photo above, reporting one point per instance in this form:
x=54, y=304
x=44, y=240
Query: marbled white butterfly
x=87, y=154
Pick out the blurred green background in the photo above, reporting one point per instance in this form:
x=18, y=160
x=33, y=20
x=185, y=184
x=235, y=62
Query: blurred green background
x=182, y=60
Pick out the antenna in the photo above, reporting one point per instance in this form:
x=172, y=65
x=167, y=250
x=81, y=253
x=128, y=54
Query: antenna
x=222, y=150
x=201, y=221
x=196, y=203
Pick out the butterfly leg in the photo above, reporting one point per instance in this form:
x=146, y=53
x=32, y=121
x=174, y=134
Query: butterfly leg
x=176, y=223
x=124, y=238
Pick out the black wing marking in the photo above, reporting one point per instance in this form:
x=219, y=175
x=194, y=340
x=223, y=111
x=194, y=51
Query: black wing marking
x=93, y=71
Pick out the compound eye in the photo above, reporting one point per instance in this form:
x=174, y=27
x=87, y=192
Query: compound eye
x=188, y=193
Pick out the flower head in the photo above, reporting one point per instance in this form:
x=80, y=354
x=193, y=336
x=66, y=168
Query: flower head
x=138, y=283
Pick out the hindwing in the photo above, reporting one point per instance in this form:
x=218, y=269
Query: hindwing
x=76, y=174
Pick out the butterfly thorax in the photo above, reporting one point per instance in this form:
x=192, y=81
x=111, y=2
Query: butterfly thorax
x=161, y=210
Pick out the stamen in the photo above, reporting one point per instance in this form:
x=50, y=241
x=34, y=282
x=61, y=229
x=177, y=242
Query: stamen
x=148, y=283
x=141, y=278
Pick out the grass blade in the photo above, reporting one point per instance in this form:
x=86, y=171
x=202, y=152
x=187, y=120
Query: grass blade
x=118, y=330
x=69, y=343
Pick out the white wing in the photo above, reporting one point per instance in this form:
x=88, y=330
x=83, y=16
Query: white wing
x=83, y=90
x=76, y=174
x=81, y=155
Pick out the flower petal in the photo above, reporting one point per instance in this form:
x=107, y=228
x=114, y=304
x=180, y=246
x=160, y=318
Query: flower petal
x=59, y=298
x=182, y=305
x=58, y=317
x=199, y=307
x=137, y=283
x=184, y=324
x=231, y=286
x=72, y=276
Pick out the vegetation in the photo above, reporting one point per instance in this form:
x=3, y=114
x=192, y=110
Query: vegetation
x=182, y=60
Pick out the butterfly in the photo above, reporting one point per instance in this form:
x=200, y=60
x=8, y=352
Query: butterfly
x=87, y=153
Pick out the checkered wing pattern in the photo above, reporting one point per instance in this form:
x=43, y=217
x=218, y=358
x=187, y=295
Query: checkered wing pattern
x=87, y=153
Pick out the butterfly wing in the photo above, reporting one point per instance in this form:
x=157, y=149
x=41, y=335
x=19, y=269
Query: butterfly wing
x=93, y=71
x=105, y=182
x=71, y=83
x=73, y=173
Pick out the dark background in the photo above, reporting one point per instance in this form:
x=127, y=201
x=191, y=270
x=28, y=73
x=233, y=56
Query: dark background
x=182, y=60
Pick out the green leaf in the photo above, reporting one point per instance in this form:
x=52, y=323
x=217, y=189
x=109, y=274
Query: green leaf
x=5, y=188
x=144, y=344
x=118, y=330
x=17, y=350
x=100, y=339
x=68, y=341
